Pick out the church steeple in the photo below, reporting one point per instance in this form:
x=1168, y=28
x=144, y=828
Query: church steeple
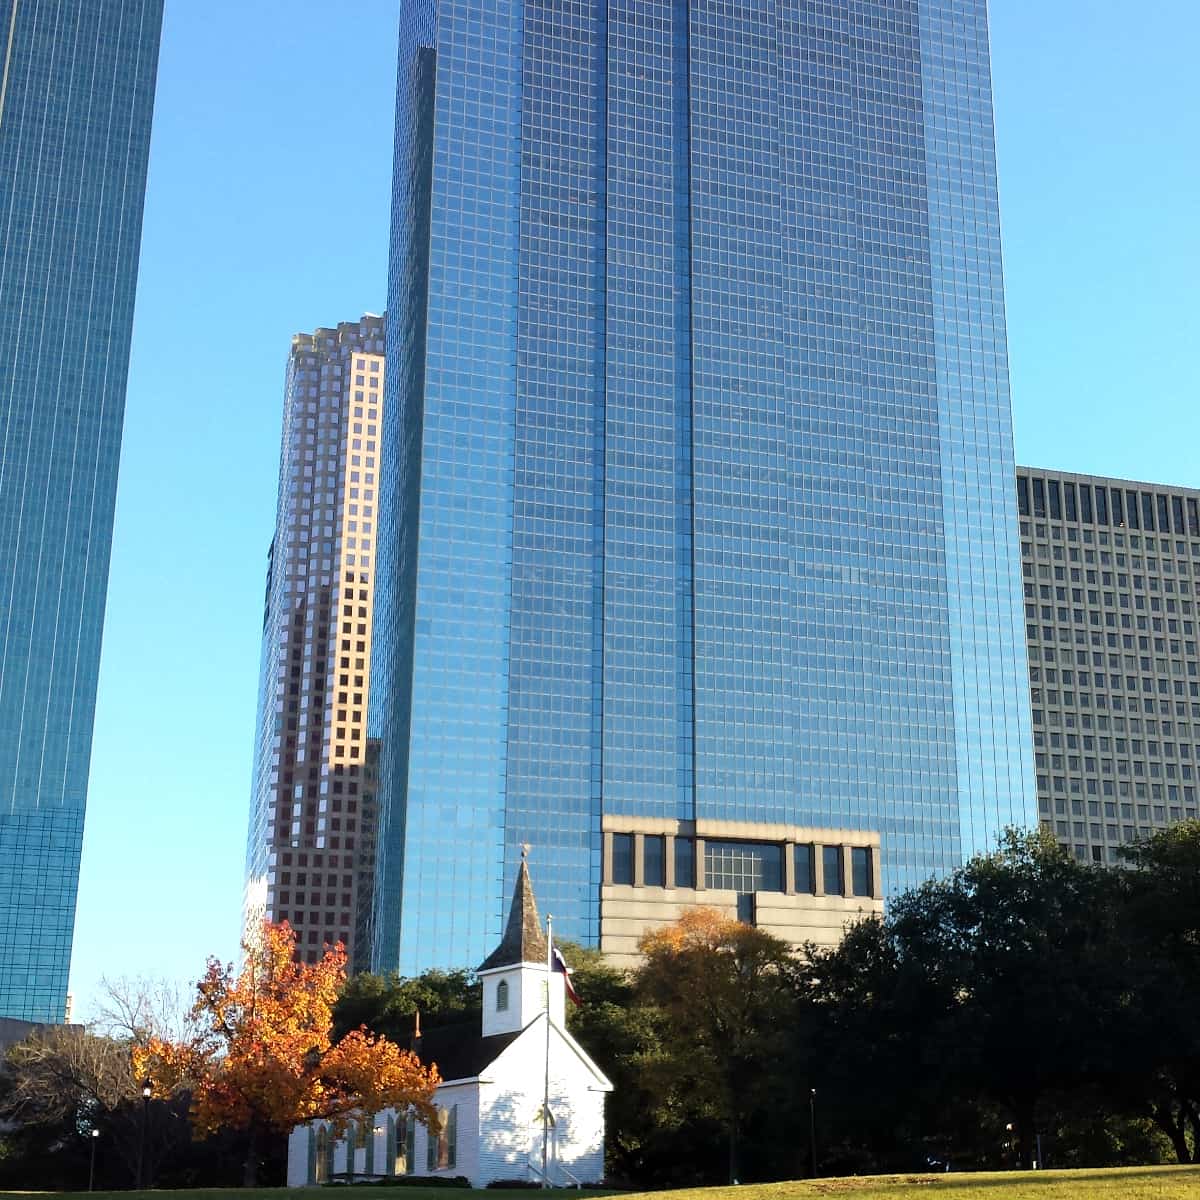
x=523, y=941
x=514, y=976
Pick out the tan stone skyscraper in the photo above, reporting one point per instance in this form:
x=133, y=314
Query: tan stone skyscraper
x=310, y=851
x=1111, y=573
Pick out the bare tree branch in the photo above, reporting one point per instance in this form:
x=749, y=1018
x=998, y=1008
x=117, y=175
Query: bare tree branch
x=136, y=1010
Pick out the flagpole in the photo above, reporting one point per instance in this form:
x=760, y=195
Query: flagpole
x=546, y=1089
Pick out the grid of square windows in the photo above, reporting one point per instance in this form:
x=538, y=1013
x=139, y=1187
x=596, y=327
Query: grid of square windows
x=1109, y=572
x=698, y=501
x=76, y=100
x=313, y=811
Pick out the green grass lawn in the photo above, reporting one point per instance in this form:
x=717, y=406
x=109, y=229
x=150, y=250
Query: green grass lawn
x=326, y=1193
x=1132, y=1183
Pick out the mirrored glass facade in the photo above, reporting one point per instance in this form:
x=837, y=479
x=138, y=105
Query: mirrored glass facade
x=699, y=502
x=76, y=95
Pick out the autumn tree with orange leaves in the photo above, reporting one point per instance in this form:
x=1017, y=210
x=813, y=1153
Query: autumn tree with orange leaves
x=260, y=1059
x=727, y=990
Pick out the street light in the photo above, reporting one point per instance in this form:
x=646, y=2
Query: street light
x=812, y=1128
x=92, y=1163
x=147, y=1092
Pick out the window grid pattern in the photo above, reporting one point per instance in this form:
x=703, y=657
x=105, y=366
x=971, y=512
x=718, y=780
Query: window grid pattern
x=389, y=717
x=553, y=765
x=991, y=718
x=743, y=867
x=449, y=485
x=74, y=138
x=696, y=392
x=1109, y=572
x=310, y=844
x=647, y=554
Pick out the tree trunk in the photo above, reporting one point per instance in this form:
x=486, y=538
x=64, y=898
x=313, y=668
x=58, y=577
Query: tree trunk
x=733, y=1150
x=250, y=1170
x=1192, y=1118
x=1164, y=1117
x=1026, y=1128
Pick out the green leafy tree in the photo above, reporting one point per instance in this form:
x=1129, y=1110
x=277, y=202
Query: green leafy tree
x=1162, y=908
x=1029, y=943
x=387, y=1004
x=876, y=1014
x=623, y=1034
x=1007, y=983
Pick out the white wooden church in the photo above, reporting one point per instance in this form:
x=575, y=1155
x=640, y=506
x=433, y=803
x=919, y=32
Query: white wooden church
x=494, y=1084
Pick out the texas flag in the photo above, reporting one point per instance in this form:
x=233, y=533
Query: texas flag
x=559, y=964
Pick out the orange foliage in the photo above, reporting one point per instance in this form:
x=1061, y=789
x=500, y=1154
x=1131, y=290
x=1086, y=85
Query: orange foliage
x=699, y=928
x=260, y=1057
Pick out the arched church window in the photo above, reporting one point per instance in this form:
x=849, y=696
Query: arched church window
x=502, y=996
x=442, y=1144
x=321, y=1171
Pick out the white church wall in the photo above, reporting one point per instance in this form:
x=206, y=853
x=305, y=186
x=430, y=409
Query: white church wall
x=297, y=1155
x=510, y=1113
x=466, y=1158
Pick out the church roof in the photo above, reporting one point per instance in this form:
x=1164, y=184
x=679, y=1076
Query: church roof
x=459, y=1051
x=523, y=939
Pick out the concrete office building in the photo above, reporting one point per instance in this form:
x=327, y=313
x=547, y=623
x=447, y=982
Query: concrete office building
x=76, y=97
x=808, y=884
x=310, y=854
x=697, y=502
x=1110, y=571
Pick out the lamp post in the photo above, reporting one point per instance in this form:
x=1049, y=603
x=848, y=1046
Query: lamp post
x=92, y=1162
x=546, y=1081
x=147, y=1092
x=812, y=1128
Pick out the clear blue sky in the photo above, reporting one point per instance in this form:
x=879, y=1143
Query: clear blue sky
x=267, y=214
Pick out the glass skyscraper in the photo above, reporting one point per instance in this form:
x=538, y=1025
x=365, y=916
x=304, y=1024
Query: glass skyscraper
x=76, y=94
x=696, y=492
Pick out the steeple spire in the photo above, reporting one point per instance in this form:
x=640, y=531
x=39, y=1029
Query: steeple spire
x=523, y=941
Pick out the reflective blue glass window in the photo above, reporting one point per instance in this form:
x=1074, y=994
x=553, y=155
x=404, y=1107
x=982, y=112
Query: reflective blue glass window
x=701, y=502
x=685, y=862
x=805, y=869
x=654, y=861
x=622, y=858
x=860, y=870
x=75, y=110
x=831, y=865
